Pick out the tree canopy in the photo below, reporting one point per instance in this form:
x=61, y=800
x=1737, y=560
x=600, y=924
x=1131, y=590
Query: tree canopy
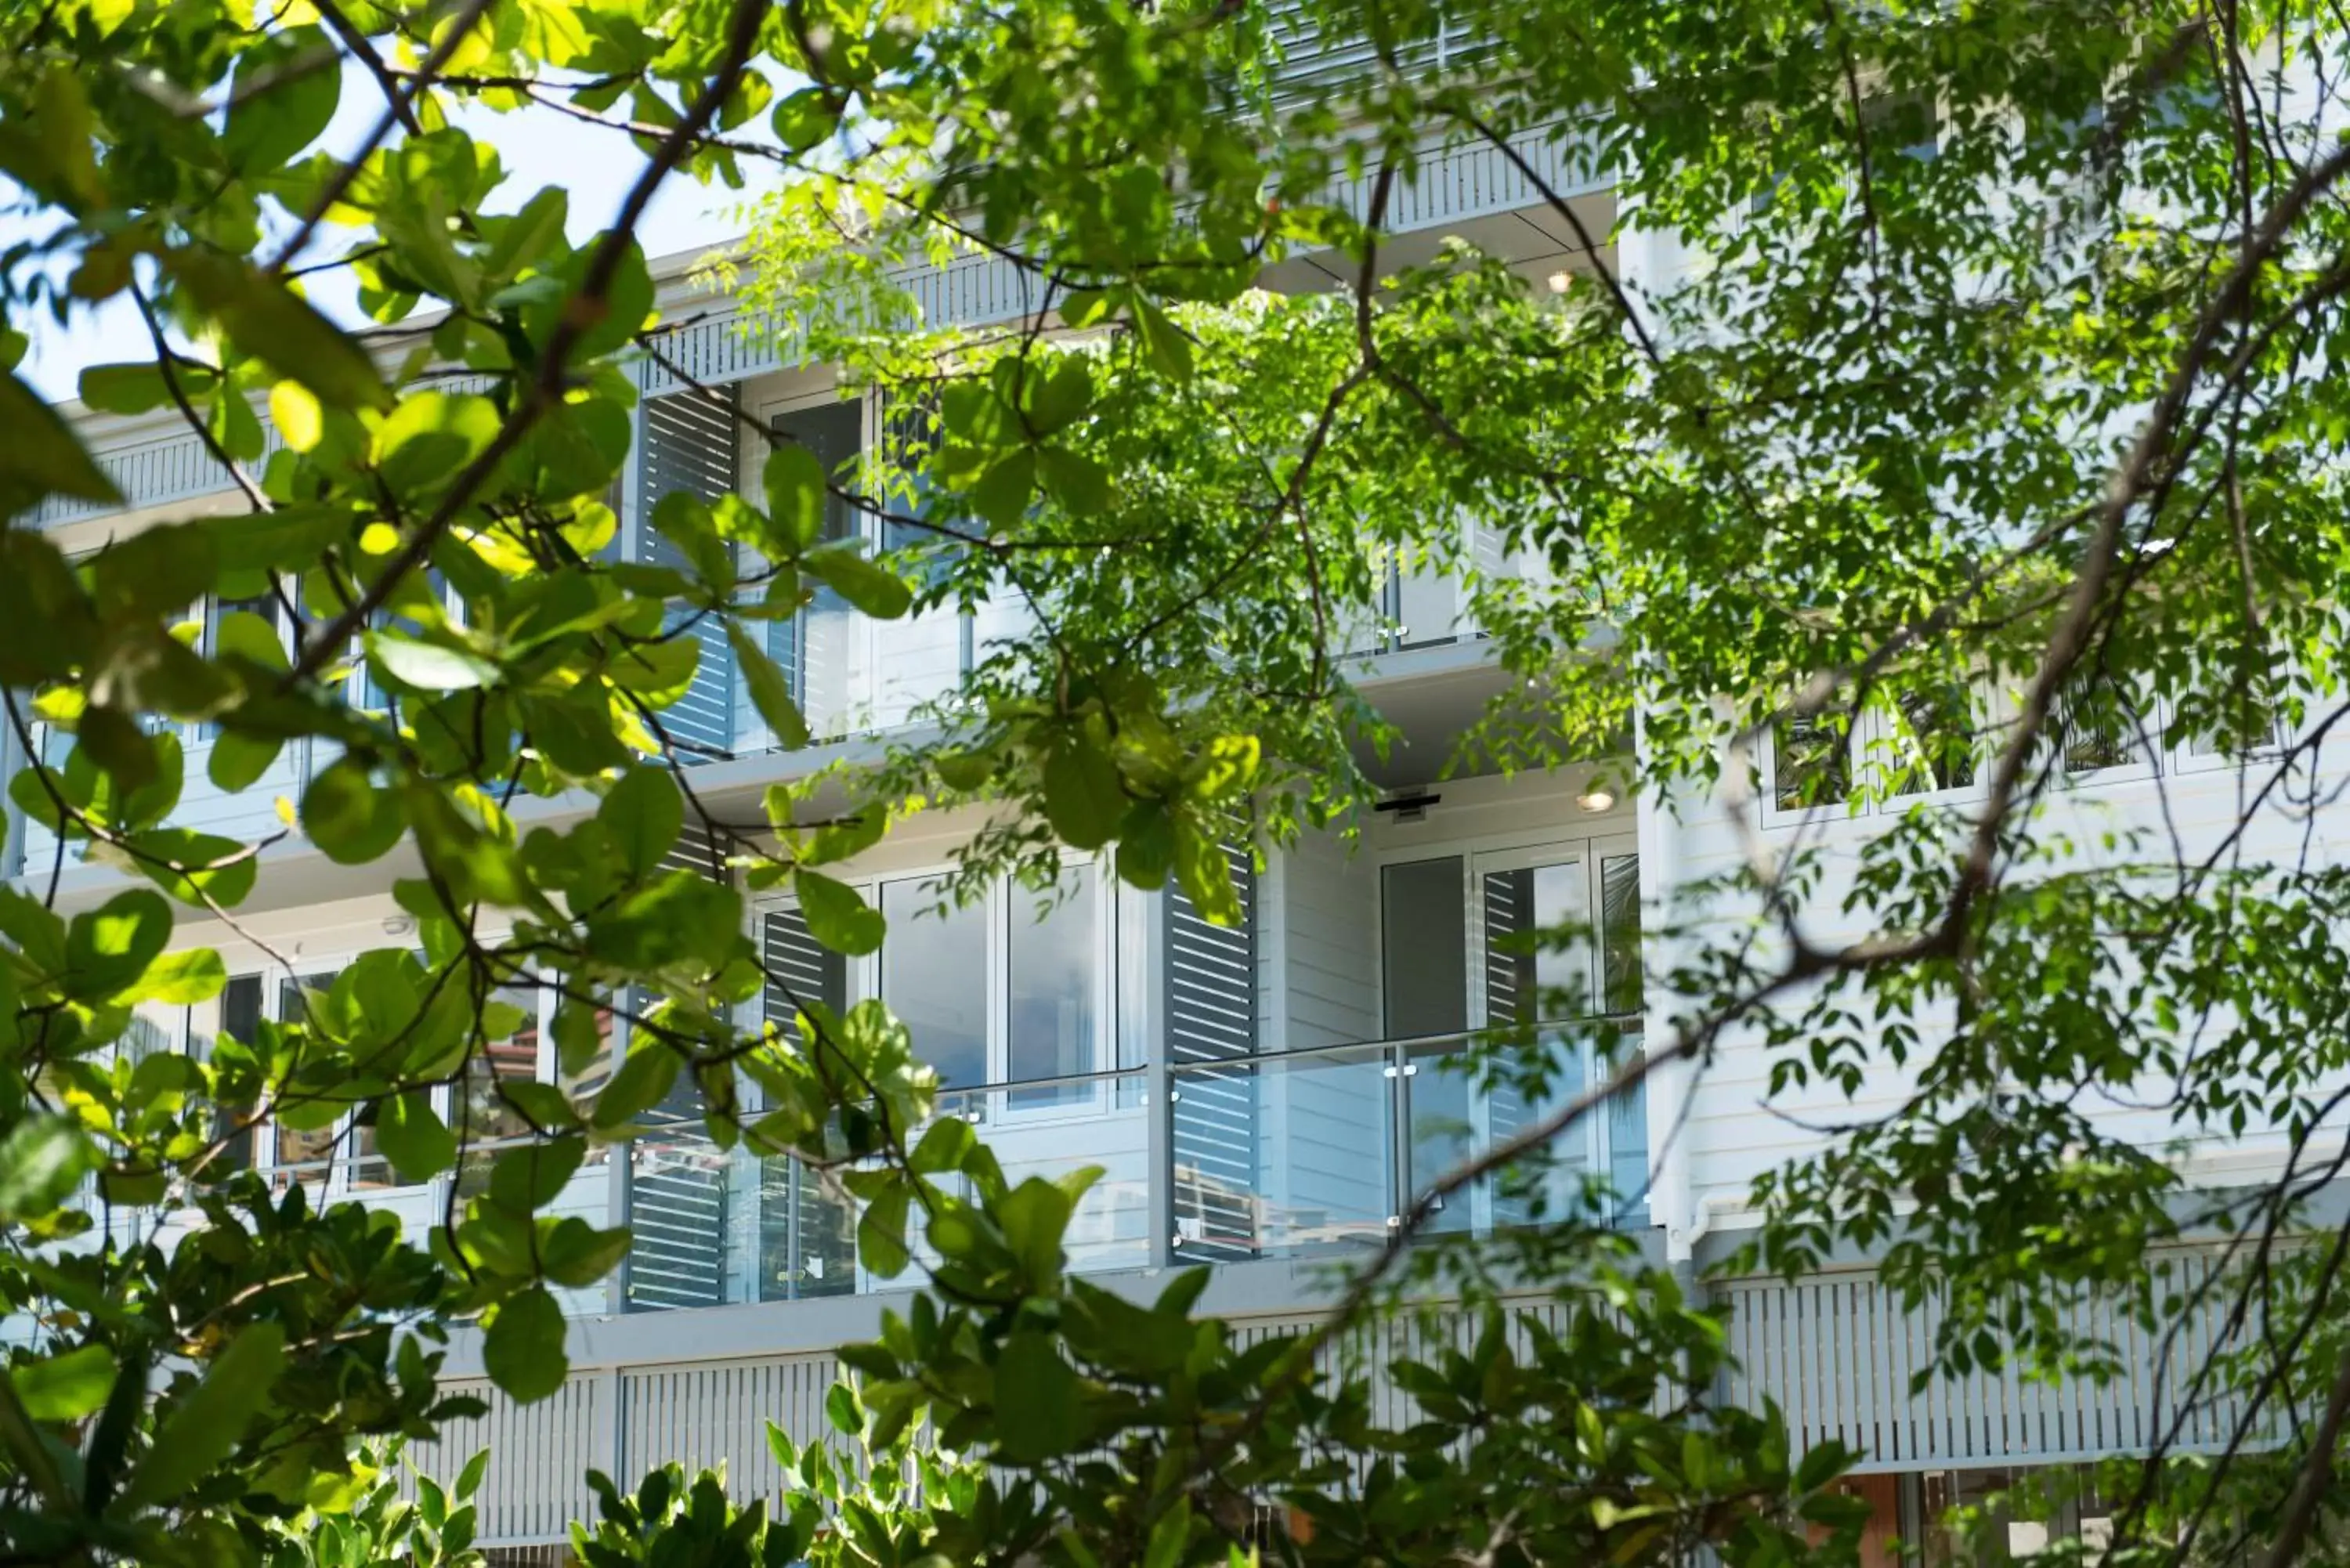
x=1956, y=377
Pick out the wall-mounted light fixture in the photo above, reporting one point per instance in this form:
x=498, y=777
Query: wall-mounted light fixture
x=1561, y=281
x=1409, y=806
x=1597, y=798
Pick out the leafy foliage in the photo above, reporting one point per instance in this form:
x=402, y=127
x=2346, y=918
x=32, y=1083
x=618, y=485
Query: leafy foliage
x=1992, y=340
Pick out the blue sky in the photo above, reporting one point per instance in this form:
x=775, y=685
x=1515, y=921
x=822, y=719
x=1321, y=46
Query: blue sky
x=538, y=147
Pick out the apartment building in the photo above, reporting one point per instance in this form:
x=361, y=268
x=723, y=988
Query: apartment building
x=1263, y=1098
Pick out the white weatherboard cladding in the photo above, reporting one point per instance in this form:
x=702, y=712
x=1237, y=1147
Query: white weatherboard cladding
x=1728, y=1139
x=1835, y=1352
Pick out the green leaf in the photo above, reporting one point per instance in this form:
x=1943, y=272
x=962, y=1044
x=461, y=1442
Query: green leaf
x=797, y=489
x=42, y=1160
x=533, y=1175
x=1039, y=1411
x=881, y=1232
x=1168, y=1535
x=108, y=947
x=770, y=690
x=290, y=539
x=574, y=1253
x=660, y=673
x=427, y=666
x=141, y=388
x=874, y=589
x=1169, y=350
x=39, y=596
x=1205, y=874
x=64, y=1387
x=645, y=812
x=1035, y=1216
x=578, y=1037
x=197, y=868
x=943, y=1147
x=238, y=759
x=643, y=1080
x=286, y=89
x=242, y=634
x=522, y=1348
x=182, y=979
x=269, y=321
x=348, y=816
x=841, y=1409
x=469, y=1480
x=157, y=571
x=836, y=915
x=41, y=456
x=1084, y=798
x=206, y=1426
x=411, y=1134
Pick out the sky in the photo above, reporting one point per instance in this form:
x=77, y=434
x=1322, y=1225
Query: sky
x=537, y=146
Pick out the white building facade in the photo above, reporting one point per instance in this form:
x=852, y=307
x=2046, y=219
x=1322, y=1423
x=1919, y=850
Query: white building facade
x=1251, y=1094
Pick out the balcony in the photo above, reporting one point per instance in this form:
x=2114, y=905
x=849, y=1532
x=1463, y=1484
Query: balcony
x=1299, y=1155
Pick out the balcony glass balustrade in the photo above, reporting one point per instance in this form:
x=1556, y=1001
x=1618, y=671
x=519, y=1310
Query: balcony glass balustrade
x=1302, y=1154
x=1289, y=1154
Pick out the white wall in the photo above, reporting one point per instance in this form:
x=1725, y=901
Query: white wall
x=1730, y=1138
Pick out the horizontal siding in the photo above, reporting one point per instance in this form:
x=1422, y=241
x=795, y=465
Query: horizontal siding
x=1729, y=1140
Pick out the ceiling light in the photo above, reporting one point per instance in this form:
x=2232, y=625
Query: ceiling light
x=1595, y=799
x=1561, y=281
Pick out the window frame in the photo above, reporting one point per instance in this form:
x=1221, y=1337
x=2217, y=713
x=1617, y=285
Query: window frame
x=1871, y=737
x=1002, y=908
x=1606, y=839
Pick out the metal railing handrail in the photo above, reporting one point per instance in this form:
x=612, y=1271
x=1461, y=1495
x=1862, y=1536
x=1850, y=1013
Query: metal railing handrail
x=1403, y=1042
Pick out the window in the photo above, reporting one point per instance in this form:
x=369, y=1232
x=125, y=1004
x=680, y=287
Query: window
x=1054, y=1027
x=2101, y=723
x=833, y=432
x=1925, y=739
x=1916, y=739
x=1903, y=124
x=1530, y=939
x=814, y=648
x=1006, y=990
x=479, y=1113
x=1811, y=761
x=934, y=978
x=303, y=1153
x=262, y=606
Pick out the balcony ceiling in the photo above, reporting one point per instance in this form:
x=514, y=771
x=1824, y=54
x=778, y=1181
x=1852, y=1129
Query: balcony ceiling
x=1535, y=241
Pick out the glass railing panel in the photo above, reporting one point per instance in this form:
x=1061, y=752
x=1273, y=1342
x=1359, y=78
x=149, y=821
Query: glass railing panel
x=1053, y=1127
x=1461, y=1102
x=713, y=1226
x=1282, y=1156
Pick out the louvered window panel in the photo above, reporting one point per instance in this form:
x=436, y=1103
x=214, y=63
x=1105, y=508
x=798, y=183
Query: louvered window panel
x=807, y=1232
x=693, y=442
x=678, y=1190
x=1211, y=1017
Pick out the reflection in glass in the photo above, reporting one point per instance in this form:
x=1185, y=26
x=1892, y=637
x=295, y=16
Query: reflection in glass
x=807, y=1228
x=1812, y=761
x=240, y=1020
x=934, y=978
x=1314, y=1173
x=1053, y=1022
x=313, y=1147
x=1621, y=986
x=1537, y=954
x=1423, y=941
x=1930, y=742
x=2100, y=724
x=481, y=1115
